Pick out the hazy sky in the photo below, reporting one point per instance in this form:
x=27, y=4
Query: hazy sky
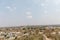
x=29, y=12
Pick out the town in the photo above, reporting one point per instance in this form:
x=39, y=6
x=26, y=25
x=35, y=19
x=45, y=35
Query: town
x=30, y=33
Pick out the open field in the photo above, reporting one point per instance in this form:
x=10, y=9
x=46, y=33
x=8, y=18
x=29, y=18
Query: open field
x=30, y=33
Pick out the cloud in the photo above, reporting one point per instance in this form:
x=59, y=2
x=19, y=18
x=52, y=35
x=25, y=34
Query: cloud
x=57, y=2
x=29, y=17
x=28, y=13
x=42, y=4
x=9, y=8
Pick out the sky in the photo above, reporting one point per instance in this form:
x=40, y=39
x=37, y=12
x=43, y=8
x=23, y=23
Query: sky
x=29, y=12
